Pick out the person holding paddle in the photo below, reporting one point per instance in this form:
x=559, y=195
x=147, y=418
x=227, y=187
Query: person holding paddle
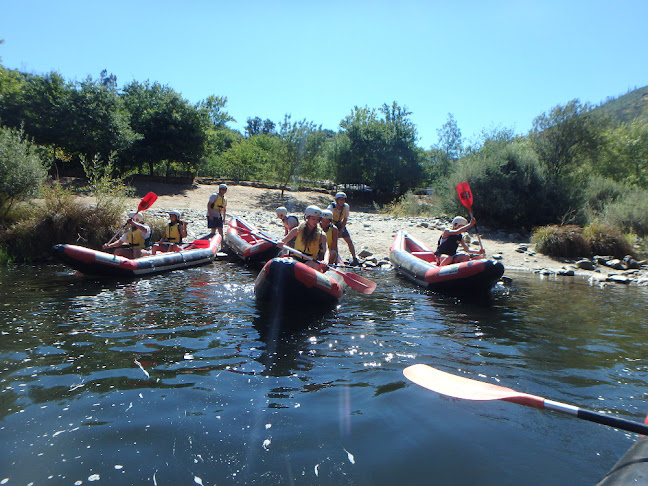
x=341, y=210
x=216, y=210
x=310, y=240
x=450, y=240
x=133, y=241
x=174, y=231
x=331, y=233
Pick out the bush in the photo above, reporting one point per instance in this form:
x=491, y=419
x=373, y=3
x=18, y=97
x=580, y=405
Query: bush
x=21, y=169
x=607, y=240
x=629, y=213
x=412, y=205
x=561, y=241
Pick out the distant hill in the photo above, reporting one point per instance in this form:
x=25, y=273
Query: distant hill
x=629, y=107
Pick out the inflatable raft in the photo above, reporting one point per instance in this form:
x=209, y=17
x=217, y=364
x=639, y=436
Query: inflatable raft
x=240, y=240
x=98, y=263
x=417, y=262
x=285, y=281
x=632, y=468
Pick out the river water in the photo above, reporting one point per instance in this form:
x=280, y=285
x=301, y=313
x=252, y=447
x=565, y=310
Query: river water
x=180, y=379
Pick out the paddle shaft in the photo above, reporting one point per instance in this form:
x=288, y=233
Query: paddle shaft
x=599, y=418
x=466, y=198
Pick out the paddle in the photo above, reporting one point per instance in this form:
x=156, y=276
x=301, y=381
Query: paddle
x=467, y=389
x=356, y=282
x=146, y=202
x=466, y=198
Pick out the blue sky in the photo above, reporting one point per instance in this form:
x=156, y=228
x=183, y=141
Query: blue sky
x=489, y=63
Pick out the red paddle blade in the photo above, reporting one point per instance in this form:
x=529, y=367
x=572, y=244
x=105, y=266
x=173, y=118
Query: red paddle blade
x=361, y=284
x=200, y=243
x=147, y=201
x=465, y=195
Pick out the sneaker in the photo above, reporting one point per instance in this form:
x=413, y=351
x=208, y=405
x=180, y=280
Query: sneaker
x=355, y=262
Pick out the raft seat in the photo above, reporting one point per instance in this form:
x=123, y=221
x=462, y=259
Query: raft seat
x=428, y=256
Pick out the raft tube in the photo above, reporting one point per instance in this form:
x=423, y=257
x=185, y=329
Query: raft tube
x=416, y=261
x=285, y=281
x=248, y=247
x=632, y=468
x=98, y=263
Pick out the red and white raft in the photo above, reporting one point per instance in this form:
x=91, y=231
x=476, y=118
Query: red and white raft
x=416, y=261
x=287, y=282
x=98, y=263
x=240, y=239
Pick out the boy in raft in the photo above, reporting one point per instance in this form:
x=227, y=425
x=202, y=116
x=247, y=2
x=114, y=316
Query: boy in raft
x=331, y=233
x=174, y=231
x=309, y=238
x=450, y=240
x=341, y=210
x=134, y=238
x=216, y=210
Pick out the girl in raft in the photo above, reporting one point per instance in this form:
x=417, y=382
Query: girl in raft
x=450, y=240
x=309, y=238
x=174, y=231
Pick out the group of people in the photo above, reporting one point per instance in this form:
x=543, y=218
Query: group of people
x=316, y=237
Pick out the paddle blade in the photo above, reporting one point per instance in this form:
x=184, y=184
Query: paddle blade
x=356, y=282
x=200, y=243
x=465, y=195
x=465, y=388
x=147, y=201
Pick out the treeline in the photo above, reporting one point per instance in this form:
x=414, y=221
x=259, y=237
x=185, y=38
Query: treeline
x=575, y=165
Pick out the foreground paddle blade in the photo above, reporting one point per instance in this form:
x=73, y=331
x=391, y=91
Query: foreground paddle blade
x=465, y=194
x=467, y=389
x=200, y=243
x=361, y=284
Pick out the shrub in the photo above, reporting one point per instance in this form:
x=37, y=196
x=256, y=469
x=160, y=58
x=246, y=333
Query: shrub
x=607, y=240
x=561, y=241
x=629, y=213
x=21, y=169
x=411, y=205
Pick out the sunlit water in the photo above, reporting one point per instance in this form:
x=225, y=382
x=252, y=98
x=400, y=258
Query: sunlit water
x=180, y=379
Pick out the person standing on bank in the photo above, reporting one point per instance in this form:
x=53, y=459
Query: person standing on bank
x=309, y=238
x=341, y=211
x=450, y=240
x=134, y=240
x=174, y=231
x=216, y=210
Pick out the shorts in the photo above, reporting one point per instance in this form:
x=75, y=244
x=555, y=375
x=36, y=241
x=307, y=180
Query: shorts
x=343, y=234
x=214, y=222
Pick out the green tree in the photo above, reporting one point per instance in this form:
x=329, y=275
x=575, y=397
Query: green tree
x=442, y=158
x=214, y=109
x=21, y=170
x=625, y=154
x=297, y=149
x=566, y=137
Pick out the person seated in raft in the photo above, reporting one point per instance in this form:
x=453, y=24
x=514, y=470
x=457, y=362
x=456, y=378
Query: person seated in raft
x=174, y=231
x=331, y=233
x=341, y=211
x=449, y=241
x=309, y=238
x=216, y=210
x=133, y=241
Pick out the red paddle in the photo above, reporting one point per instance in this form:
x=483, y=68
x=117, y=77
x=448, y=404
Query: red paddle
x=146, y=202
x=467, y=389
x=466, y=198
x=356, y=282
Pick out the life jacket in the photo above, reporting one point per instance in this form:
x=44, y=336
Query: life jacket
x=329, y=235
x=313, y=248
x=220, y=203
x=449, y=245
x=135, y=239
x=172, y=233
x=338, y=214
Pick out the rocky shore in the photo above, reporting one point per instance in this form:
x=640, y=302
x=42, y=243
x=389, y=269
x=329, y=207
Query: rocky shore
x=373, y=233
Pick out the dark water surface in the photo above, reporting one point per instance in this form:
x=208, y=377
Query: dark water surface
x=180, y=379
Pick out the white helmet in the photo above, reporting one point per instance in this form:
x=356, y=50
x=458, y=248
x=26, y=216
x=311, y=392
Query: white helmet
x=313, y=211
x=459, y=221
x=222, y=186
x=327, y=214
x=177, y=214
x=281, y=211
x=136, y=216
x=339, y=195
